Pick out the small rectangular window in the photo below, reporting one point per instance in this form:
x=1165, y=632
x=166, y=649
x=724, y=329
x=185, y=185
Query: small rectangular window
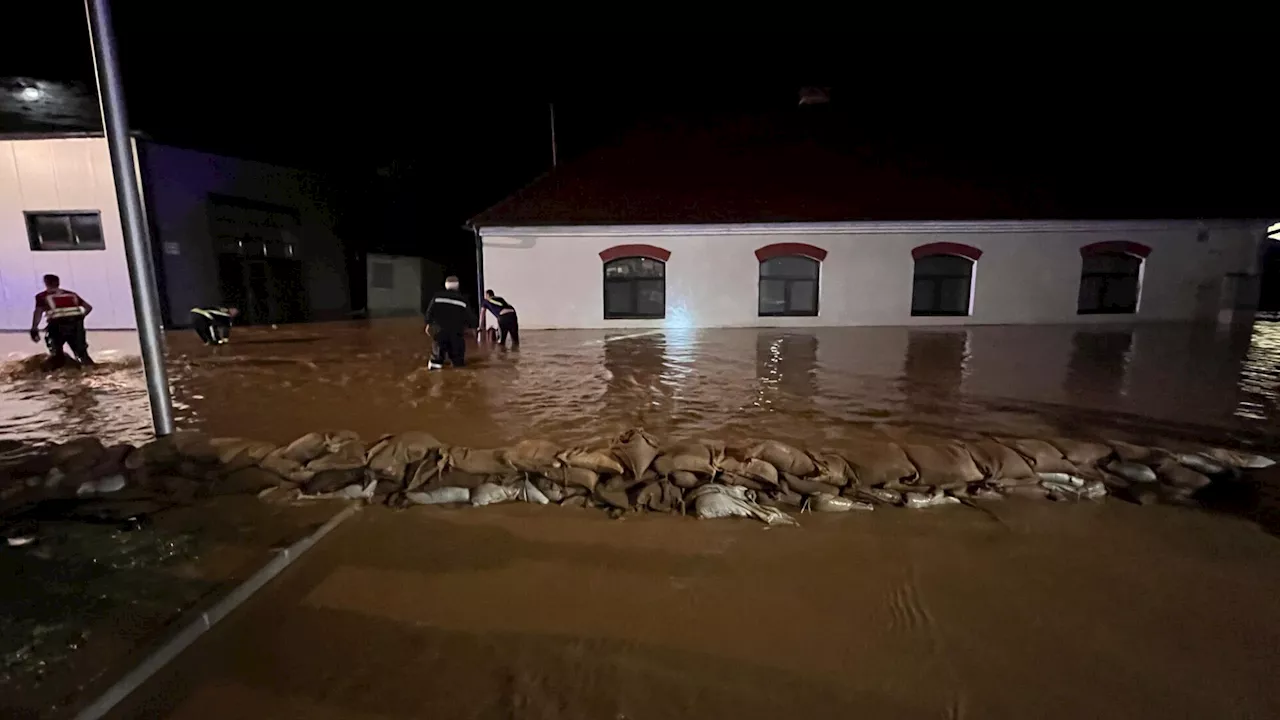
x=56, y=231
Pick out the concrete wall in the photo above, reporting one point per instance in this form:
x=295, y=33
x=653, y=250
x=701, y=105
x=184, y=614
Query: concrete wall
x=1028, y=272
x=60, y=174
x=404, y=297
x=178, y=183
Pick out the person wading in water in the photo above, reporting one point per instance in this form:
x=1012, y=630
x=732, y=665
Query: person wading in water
x=508, y=322
x=448, y=319
x=65, y=312
x=213, y=324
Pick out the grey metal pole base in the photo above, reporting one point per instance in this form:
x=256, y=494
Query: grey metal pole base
x=137, y=247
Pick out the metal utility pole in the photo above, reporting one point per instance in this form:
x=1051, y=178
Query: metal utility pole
x=146, y=305
x=553, y=135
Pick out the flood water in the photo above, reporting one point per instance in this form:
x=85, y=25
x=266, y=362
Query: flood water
x=810, y=386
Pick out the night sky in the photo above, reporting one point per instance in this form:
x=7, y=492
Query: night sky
x=459, y=118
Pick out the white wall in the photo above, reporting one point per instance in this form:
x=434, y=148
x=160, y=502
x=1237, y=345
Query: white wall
x=404, y=297
x=60, y=174
x=1028, y=273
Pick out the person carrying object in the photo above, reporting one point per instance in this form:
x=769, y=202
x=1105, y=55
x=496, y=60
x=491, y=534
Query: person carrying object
x=448, y=319
x=213, y=324
x=64, y=312
x=508, y=322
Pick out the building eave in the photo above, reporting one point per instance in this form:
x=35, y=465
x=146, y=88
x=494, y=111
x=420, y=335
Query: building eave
x=864, y=228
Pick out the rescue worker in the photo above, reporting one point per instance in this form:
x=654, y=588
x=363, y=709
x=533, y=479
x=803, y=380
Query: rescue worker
x=508, y=322
x=64, y=312
x=448, y=319
x=213, y=324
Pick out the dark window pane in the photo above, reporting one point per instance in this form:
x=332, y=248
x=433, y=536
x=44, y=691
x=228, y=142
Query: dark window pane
x=804, y=297
x=1111, y=263
x=790, y=266
x=53, y=231
x=943, y=265
x=1090, y=293
x=773, y=296
x=1121, y=294
x=87, y=229
x=634, y=267
x=954, y=296
x=618, y=299
x=922, y=296
x=1109, y=283
x=651, y=298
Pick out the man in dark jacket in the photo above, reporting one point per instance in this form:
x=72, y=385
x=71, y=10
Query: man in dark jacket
x=448, y=319
x=505, y=312
x=213, y=324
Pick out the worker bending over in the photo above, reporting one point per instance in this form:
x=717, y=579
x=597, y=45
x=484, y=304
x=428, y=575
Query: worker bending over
x=213, y=324
x=64, y=312
x=508, y=322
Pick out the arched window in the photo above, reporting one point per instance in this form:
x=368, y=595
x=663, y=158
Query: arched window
x=789, y=279
x=635, y=287
x=943, y=280
x=1109, y=278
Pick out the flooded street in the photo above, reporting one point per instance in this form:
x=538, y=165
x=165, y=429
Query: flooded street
x=806, y=386
x=1009, y=608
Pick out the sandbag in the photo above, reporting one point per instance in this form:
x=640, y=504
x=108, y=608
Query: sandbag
x=1200, y=463
x=659, y=496
x=305, y=449
x=471, y=481
x=390, y=456
x=1143, y=494
x=612, y=493
x=340, y=453
x=1040, y=455
x=329, y=481
x=994, y=460
x=1081, y=452
x=490, y=494
x=159, y=453
x=572, y=477
x=883, y=496
x=688, y=480
x=291, y=470
x=577, y=501
x=806, y=486
x=477, y=462
x=1132, y=471
x=829, y=502
x=880, y=463
x=1128, y=452
x=531, y=494
x=722, y=501
x=784, y=457
x=1179, y=475
x=196, y=446
x=942, y=464
x=1239, y=459
x=735, y=479
x=832, y=469
x=754, y=468
x=1030, y=492
x=237, y=453
x=938, y=498
x=439, y=496
x=694, y=457
x=596, y=460
x=106, y=485
x=354, y=491
x=637, y=450
x=245, y=481
x=782, y=496
x=554, y=492
x=533, y=455
x=78, y=455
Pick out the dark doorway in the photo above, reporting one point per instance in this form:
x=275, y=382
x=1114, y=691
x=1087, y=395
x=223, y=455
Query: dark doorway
x=267, y=290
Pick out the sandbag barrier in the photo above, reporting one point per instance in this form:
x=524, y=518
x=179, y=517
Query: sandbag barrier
x=634, y=472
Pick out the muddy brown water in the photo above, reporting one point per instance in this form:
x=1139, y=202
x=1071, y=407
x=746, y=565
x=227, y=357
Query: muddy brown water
x=1034, y=609
x=805, y=386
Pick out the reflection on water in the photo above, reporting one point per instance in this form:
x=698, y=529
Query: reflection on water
x=810, y=386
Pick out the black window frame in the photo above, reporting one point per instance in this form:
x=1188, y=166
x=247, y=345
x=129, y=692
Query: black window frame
x=788, y=282
x=937, y=282
x=1135, y=276
x=634, y=283
x=34, y=217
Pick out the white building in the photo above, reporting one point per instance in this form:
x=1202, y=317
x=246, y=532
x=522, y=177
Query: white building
x=223, y=230
x=720, y=232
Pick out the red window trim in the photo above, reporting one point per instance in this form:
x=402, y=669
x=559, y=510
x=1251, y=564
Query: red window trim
x=769, y=252
x=653, y=252
x=947, y=248
x=1116, y=246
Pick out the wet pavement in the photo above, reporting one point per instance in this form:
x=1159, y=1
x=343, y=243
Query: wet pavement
x=808, y=386
x=1036, y=610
